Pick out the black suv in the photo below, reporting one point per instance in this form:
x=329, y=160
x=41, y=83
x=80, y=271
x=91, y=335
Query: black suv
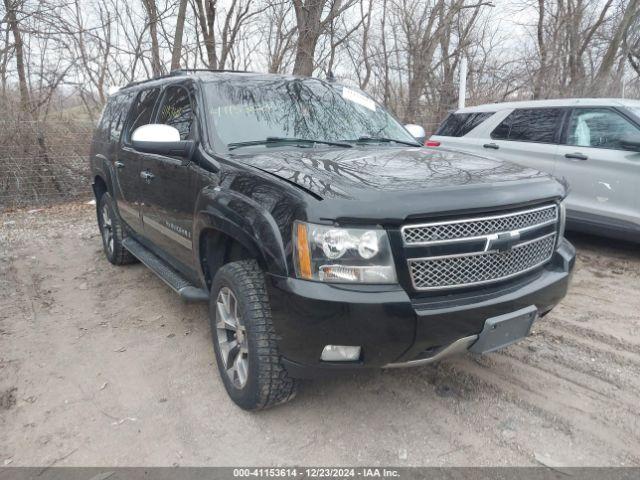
x=323, y=235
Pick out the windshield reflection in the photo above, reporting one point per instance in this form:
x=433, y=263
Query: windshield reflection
x=249, y=110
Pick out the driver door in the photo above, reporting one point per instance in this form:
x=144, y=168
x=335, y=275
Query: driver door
x=168, y=184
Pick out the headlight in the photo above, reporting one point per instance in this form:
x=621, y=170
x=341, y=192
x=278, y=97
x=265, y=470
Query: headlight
x=342, y=255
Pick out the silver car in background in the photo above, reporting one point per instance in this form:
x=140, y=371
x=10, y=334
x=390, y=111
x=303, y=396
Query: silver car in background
x=592, y=144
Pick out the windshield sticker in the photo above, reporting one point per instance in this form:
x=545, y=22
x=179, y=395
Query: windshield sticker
x=358, y=98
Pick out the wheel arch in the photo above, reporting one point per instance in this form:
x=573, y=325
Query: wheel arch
x=230, y=227
x=99, y=186
x=217, y=248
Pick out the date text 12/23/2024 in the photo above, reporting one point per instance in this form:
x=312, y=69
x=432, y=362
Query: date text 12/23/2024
x=316, y=472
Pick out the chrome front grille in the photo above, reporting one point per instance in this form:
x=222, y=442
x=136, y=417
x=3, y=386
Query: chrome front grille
x=477, y=227
x=462, y=271
x=479, y=250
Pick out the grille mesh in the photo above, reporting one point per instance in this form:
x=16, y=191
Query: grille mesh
x=450, y=272
x=474, y=228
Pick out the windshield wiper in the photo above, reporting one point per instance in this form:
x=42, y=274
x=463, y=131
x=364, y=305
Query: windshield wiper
x=270, y=140
x=366, y=139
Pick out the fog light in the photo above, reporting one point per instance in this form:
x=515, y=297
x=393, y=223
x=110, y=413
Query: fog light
x=340, y=353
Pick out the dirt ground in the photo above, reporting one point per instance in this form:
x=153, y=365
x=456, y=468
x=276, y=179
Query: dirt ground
x=105, y=366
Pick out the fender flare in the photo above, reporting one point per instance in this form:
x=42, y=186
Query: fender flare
x=102, y=169
x=244, y=220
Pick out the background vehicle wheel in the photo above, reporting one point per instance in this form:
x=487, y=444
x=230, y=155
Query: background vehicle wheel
x=244, y=338
x=111, y=231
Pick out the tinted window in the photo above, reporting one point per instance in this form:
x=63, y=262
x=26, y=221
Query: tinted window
x=177, y=111
x=599, y=127
x=120, y=109
x=529, y=125
x=459, y=124
x=102, y=130
x=112, y=118
x=142, y=109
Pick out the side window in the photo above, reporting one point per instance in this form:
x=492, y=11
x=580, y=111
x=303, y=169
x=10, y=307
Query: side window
x=102, y=129
x=600, y=128
x=529, y=125
x=142, y=110
x=459, y=124
x=121, y=109
x=177, y=111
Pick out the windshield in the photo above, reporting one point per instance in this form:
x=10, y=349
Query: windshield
x=308, y=109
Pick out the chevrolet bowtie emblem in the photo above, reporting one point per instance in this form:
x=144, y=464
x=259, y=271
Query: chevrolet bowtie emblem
x=501, y=242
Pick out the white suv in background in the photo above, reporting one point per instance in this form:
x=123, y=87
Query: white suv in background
x=593, y=144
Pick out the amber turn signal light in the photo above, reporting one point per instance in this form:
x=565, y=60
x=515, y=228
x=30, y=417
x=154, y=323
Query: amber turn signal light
x=302, y=246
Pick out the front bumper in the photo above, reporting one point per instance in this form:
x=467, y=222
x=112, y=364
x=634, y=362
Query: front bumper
x=391, y=327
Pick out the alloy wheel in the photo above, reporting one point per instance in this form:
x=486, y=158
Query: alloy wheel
x=232, y=338
x=107, y=229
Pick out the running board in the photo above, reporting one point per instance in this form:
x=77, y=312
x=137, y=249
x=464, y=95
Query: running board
x=175, y=280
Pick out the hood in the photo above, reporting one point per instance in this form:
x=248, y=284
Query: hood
x=404, y=182
x=349, y=173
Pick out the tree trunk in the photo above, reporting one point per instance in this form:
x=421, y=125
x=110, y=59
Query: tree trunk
x=152, y=13
x=386, y=97
x=206, y=12
x=177, y=39
x=305, y=50
x=308, y=18
x=537, y=88
x=416, y=89
x=610, y=54
x=12, y=20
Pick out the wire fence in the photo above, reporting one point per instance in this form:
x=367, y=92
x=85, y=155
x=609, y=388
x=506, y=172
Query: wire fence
x=47, y=162
x=43, y=162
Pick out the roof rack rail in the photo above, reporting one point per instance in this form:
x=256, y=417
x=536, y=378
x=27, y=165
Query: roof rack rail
x=186, y=71
x=182, y=71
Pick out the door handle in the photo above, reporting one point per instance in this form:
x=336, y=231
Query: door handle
x=147, y=176
x=491, y=145
x=576, y=156
x=118, y=164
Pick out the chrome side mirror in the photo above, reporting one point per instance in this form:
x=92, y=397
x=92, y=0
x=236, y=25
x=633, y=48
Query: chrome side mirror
x=416, y=132
x=161, y=140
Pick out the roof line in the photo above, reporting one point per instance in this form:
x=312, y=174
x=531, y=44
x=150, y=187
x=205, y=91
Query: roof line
x=182, y=72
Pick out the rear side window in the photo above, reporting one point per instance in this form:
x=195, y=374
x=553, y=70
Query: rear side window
x=112, y=119
x=459, y=124
x=530, y=125
x=177, y=111
x=102, y=130
x=142, y=110
x=120, y=108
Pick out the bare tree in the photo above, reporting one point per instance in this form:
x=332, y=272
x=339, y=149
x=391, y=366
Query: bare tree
x=152, y=15
x=311, y=24
x=427, y=31
x=579, y=45
x=221, y=28
x=631, y=13
x=177, y=39
x=12, y=8
x=281, y=32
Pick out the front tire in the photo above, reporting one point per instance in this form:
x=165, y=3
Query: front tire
x=244, y=338
x=112, y=232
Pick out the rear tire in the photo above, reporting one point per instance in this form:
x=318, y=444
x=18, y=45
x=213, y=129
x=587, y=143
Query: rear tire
x=112, y=232
x=244, y=338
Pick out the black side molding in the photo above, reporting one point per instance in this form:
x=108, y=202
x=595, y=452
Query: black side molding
x=180, y=285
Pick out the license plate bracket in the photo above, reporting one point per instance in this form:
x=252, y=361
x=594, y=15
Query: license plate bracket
x=503, y=330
